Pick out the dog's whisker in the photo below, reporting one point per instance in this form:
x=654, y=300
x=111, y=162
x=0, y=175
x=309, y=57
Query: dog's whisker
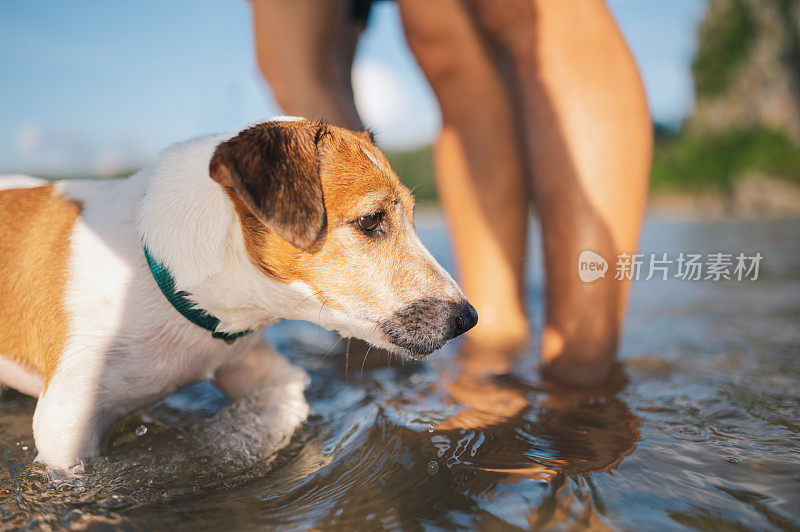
x=319, y=317
x=332, y=348
x=347, y=358
x=309, y=297
x=365, y=359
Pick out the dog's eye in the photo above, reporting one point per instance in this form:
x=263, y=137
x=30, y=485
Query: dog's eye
x=370, y=222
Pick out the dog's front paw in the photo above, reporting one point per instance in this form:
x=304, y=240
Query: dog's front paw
x=281, y=406
x=263, y=421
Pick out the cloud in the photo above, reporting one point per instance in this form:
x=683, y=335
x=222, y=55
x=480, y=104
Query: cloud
x=61, y=153
x=28, y=138
x=402, y=112
x=110, y=160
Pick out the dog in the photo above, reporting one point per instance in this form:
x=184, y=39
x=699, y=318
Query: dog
x=115, y=293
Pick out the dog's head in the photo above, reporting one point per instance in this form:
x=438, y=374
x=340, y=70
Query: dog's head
x=321, y=210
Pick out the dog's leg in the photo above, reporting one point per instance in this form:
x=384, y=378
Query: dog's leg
x=274, y=385
x=70, y=420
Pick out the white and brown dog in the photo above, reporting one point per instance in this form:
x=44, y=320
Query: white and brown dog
x=115, y=293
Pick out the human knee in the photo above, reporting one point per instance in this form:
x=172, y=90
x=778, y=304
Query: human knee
x=444, y=42
x=509, y=24
x=309, y=100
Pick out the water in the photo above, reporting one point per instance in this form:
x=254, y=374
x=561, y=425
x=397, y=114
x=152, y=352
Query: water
x=699, y=431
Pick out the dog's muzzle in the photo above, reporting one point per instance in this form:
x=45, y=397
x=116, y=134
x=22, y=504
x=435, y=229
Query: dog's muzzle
x=426, y=325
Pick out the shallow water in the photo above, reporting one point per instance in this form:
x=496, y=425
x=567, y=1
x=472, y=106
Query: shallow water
x=703, y=435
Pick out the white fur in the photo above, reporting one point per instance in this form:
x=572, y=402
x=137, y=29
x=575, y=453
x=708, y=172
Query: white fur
x=20, y=181
x=20, y=378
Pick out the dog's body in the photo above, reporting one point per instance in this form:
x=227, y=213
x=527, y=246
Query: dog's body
x=253, y=229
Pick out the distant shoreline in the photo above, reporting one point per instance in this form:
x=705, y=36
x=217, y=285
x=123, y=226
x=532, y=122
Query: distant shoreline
x=755, y=196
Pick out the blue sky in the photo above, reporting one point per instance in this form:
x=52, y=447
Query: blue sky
x=95, y=87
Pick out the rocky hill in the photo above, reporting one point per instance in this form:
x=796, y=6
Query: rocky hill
x=747, y=68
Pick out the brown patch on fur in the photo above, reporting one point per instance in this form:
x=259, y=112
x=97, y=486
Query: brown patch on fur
x=345, y=267
x=274, y=170
x=34, y=254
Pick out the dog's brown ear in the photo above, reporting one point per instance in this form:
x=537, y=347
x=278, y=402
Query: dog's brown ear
x=274, y=169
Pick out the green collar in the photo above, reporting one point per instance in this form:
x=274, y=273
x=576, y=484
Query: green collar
x=184, y=305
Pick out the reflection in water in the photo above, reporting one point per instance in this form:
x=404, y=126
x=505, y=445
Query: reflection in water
x=371, y=449
x=703, y=435
x=508, y=431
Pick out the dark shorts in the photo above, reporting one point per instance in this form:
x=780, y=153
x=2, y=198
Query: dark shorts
x=359, y=10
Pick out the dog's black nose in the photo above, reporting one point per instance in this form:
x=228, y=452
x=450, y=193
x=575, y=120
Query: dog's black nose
x=427, y=324
x=466, y=318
